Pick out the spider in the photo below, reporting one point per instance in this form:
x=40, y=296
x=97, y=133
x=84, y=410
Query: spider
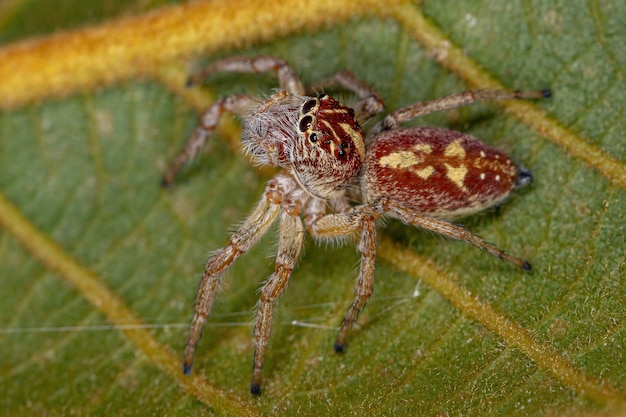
x=422, y=175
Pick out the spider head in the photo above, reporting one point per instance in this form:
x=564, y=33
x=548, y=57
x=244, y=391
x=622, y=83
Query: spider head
x=329, y=148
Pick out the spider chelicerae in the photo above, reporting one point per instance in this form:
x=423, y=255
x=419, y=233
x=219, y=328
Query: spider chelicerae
x=336, y=181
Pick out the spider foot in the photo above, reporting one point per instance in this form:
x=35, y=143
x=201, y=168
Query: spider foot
x=339, y=347
x=255, y=389
x=165, y=183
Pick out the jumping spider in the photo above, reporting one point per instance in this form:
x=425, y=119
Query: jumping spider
x=422, y=175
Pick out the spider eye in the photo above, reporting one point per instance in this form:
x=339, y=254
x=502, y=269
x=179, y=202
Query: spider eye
x=313, y=137
x=308, y=106
x=342, y=152
x=305, y=123
x=351, y=112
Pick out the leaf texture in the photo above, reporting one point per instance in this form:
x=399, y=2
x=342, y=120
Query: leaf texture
x=100, y=265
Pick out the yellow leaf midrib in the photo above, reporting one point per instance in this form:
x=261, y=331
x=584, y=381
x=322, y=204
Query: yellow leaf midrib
x=72, y=61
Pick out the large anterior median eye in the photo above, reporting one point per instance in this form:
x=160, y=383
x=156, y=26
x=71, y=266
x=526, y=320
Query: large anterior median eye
x=305, y=123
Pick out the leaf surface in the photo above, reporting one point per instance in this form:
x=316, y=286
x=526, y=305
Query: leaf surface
x=100, y=265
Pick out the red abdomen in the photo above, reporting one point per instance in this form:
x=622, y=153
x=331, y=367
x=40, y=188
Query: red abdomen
x=437, y=172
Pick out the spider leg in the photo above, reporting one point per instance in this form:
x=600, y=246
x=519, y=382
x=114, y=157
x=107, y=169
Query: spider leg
x=287, y=77
x=454, y=232
x=289, y=245
x=394, y=119
x=238, y=104
x=371, y=102
x=241, y=241
x=338, y=225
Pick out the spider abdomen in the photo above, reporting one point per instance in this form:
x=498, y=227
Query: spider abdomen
x=437, y=172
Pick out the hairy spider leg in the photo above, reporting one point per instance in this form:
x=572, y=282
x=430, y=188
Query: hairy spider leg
x=451, y=231
x=288, y=79
x=241, y=241
x=291, y=237
x=371, y=102
x=412, y=111
x=360, y=220
x=238, y=104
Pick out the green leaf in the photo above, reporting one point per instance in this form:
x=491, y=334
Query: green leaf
x=90, y=242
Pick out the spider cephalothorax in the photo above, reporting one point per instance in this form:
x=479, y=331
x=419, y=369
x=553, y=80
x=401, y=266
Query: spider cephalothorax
x=329, y=150
x=317, y=138
x=424, y=176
